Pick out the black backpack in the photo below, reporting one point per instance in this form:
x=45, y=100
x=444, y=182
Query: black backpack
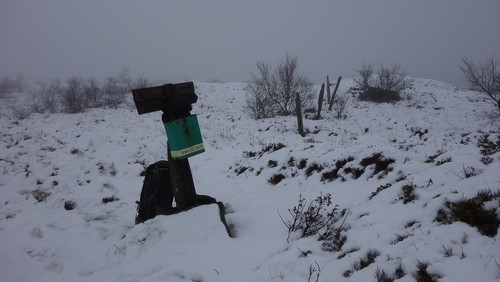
x=156, y=194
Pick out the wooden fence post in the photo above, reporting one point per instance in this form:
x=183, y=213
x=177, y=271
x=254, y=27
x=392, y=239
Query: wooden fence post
x=320, y=100
x=328, y=84
x=334, y=93
x=299, y=115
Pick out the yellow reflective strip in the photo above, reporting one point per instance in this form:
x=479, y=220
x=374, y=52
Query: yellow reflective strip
x=187, y=151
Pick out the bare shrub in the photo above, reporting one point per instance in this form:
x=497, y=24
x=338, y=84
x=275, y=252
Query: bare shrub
x=112, y=91
x=45, y=97
x=392, y=78
x=387, y=83
x=73, y=97
x=340, y=106
x=484, y=77
x=365, y=78
x=19, y=112
x=124, y=80
x=140, y=82
x=310, y=218
x=260, y=88
x=92, y=93
x=272, y=91
x=314, y=271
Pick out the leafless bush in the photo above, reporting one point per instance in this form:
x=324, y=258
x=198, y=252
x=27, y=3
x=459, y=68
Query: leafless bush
x=113, y=93
x=365, y=78
x=340, y=106
x=391, y=78
x=92, y=93
x=312, y=271
x=140, y=82
x=272, y=91
x=73, y=97
x=484, y=77
x=114, y=89
x=19, y=111
x=45, y=97
x=260, y=88
x=310, y=218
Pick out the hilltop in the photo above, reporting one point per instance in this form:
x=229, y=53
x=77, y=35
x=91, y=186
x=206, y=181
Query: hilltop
x=393, y=172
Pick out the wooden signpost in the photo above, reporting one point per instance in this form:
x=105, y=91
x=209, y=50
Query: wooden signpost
x=175, y=100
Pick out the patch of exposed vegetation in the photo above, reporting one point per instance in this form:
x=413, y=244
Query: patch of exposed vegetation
x=422, y=275
x=363, y=262
x=381, y=163
x=408, y=193
x=473, y=212
x=432, y=158
x=69, y=205
x=314, y=167
x=106, y=200
x=40, y=195
x=487, y=146
x=268, y=149
x=333, y=173
x=379, y=189
x=276, y=178
x=355, y=172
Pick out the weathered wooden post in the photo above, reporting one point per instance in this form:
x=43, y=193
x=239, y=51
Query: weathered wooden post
x=184, y=139
x=328, y=84
x=320, y=100
x=175, y=100
x=299, y=114
x=334, y=93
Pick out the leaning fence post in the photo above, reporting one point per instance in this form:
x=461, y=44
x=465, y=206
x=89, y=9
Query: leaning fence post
x=334, y=93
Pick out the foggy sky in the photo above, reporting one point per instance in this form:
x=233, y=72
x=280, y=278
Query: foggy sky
x=177, y=40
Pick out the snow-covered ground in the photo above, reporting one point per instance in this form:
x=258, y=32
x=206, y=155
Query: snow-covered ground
x=69, y=183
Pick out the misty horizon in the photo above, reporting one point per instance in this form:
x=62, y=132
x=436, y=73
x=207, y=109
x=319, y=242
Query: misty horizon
x=223, y=40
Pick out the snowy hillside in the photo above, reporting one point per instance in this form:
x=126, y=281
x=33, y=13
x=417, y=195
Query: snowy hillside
x=69, y=183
